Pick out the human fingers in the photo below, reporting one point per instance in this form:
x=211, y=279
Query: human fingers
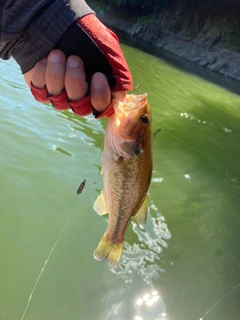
x=55, y=72
x=114, y=66
x=100, y=92
x=119, y=95
x=39, y=74
x=75, y=79
x=36, y=81
x=28, y=77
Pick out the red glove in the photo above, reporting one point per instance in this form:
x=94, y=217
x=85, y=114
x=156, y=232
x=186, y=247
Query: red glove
x=100, y=51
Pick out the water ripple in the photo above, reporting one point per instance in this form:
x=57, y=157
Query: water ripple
x=143, y=258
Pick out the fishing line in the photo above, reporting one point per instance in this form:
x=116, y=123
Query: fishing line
x=215, y=304
x=54, y=245
x=137, y=90
x=48, y=257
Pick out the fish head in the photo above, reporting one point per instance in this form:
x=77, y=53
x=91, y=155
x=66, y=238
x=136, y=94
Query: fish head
x=130, y=126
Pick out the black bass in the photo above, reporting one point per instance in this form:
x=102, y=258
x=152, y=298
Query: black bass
x=127, y=171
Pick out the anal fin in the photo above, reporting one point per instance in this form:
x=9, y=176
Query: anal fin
x=100, y=205
x=141, y=215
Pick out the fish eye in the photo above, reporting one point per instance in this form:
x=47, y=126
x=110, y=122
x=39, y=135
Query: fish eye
x=143, y=119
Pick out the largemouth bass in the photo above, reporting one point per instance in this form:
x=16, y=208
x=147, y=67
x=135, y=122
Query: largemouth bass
x=127, y=171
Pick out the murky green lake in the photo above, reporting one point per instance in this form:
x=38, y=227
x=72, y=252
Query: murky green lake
x=186, y=263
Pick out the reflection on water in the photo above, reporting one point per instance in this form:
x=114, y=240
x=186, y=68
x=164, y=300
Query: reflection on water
x=150, y=306
x=140, y=263
x=145, y=303
x=143, y=256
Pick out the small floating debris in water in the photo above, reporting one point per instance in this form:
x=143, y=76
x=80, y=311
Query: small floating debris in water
x=82, y=185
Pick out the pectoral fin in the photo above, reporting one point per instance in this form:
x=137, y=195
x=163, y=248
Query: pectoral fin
x=100, y=205
x=141, y=215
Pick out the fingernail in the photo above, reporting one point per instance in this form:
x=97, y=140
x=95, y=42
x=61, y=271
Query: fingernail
x=55, y=56
x=73, y=62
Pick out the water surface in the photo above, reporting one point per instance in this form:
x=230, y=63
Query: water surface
x=188, y=257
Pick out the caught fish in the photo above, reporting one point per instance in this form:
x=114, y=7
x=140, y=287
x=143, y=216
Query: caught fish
x=127, y=171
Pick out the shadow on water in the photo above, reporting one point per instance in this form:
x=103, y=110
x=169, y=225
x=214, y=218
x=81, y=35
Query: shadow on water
x=180, y=63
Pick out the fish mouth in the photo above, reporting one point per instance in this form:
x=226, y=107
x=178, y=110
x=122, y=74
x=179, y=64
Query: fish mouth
x=131, y=102
x=125, y=134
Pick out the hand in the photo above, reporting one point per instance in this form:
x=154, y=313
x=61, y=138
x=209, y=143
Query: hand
x=55, y=72
x=103, y=71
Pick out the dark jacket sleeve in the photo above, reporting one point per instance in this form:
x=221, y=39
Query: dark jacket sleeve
x=31, y=28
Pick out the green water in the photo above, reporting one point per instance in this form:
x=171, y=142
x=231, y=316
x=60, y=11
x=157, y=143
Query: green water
x=188, y=257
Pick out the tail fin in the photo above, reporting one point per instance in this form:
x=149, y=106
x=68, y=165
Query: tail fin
x=109, y=250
